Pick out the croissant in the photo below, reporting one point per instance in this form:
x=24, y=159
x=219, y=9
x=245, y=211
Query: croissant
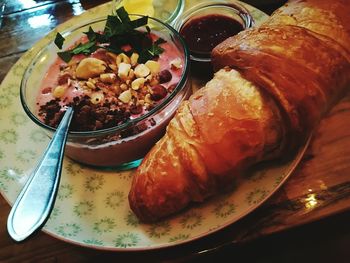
x=272, y=86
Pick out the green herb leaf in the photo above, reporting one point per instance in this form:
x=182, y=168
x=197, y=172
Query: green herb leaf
x=66, y=56
x=119, y=32
x=142, y=21
x=59, y=40
x=91, y=34
x=156, y=50
x=123, y=15
x=83, y=48
x=159, y=41
x=111, y=24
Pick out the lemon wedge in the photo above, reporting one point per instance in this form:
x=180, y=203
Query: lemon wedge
x=142, y=7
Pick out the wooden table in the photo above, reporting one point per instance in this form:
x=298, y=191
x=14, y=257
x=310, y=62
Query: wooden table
x=308, y=219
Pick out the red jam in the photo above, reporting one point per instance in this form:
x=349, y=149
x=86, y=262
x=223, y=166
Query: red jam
x=203, y=33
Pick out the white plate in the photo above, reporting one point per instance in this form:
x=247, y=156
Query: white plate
x=92, y=207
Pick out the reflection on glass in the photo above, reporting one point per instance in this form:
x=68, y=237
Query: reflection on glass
x=40, y=21
x=28, y=3
x=77, y=9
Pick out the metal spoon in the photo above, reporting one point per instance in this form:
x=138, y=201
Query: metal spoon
x=35, y=202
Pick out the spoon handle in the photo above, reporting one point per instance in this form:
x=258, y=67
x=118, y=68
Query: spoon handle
x=35, y=202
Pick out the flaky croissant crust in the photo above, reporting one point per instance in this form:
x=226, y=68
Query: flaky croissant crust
x=273, y=85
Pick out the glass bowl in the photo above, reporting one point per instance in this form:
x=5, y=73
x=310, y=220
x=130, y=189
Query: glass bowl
x=164, y=10
x=124, y=145
x=168, y=11
x=205, y=25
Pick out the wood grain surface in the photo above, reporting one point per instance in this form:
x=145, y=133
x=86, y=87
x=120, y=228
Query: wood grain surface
x=305, y=220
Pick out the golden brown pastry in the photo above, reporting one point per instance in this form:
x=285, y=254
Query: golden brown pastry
x=273, y=85
x=224, y=128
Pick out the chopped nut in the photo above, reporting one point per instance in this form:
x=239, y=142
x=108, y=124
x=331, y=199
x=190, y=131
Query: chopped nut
x=176, y=63
x=164, y=76
x=141, y=71
x=125, y=96
x=148, y=99
x=154, y=81
x=97, y=97
x=101, y=85
x=90, y=67
x=158, y=92
x=122, y=58
x=137, y=83
x=90, y=85
x=134, y=58
x=113, y=67
x=112, y=56
x=94, y=80
x=124, y=86
x=123, y=70
x=59, y=91
x=153, y=66
x=108, y=77
x=131, y=74
x=72, y=63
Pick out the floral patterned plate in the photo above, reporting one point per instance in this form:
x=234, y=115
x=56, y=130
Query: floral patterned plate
x=92, y=208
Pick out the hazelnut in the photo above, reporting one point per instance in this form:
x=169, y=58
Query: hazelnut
x=113, y=67
x=125, y=96
x=134, y=58
x=158, y=92
x=123, y=70
x=141, y=71
x=153, y=66
x=137, y=83
x=123, y=86
x=164, y=76
x=97, y=98
x=90, y=85
x=108, y=77
x=59, y=91
x=148, y=100
x=122, y=58
x=90, y=67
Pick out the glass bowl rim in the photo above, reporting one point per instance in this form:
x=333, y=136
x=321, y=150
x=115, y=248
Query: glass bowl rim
x=235, y=6
x=176, y=13
x=180, y=85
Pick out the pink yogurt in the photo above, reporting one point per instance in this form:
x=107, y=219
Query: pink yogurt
x=120, y=151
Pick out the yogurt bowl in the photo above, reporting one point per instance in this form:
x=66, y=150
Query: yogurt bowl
x=123, y=100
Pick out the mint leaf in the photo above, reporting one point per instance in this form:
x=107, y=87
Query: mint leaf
x=66, y=56
x=142, y=21
x=84, y=48
x=156, y=50
x=91, y=34
x=159, y=41
x=118, y=33
x=59, y=40
x=111, y=25
x=123, y=15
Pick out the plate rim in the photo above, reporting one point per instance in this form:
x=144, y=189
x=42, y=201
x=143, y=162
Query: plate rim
x=82, y=18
